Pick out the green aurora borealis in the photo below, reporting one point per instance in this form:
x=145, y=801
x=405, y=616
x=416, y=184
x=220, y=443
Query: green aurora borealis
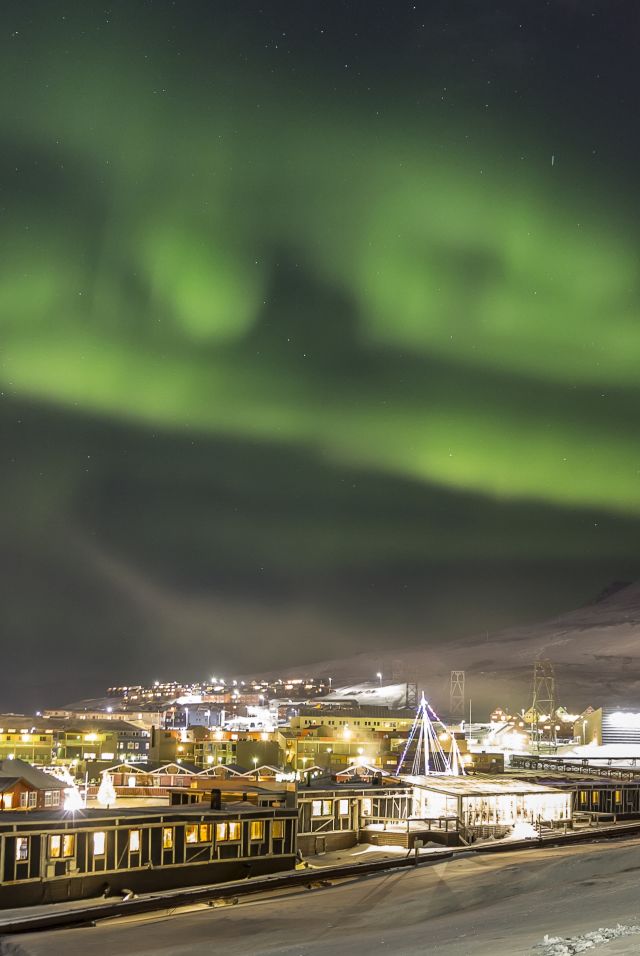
x=302, y=276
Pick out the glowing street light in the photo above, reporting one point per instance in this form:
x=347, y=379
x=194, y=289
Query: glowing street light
x=379, y=676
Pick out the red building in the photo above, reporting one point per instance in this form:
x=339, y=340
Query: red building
x=23, y=787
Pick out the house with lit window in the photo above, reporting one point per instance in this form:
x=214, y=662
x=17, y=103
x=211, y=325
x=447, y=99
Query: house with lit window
x=19, y=738
x=48, y=857
x=333, y=813
x=23, y=787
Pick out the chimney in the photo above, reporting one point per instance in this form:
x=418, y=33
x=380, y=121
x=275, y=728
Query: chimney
x=216, y=799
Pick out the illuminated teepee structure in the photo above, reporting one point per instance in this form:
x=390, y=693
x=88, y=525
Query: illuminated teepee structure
x=429, y=755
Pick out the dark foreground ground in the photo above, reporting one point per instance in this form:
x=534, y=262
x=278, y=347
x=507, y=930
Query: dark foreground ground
x=499, y=905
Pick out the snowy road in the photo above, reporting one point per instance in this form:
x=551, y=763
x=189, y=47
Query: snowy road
x=489, y=905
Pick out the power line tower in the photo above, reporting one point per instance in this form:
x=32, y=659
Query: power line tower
x=456, y=694
x=397, y=670
x=412, y=695
x=544, y=695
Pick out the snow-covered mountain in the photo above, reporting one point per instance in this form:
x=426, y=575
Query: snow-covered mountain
x=595, y=651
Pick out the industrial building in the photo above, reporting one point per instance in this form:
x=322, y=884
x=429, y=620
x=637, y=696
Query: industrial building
x=610, y=726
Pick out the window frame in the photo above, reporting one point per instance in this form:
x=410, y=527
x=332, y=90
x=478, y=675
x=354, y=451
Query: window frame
x=326, y=808
x=259, y=836
x=22, y=842
x=170, y=843
x=202, y=833
x=94, y=843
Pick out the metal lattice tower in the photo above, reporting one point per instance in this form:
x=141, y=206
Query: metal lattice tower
x=544, y=694
x=397, y=670
x=456, y=694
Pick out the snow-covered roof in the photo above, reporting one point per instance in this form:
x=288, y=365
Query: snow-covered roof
x=14, y=767
x=476, y=786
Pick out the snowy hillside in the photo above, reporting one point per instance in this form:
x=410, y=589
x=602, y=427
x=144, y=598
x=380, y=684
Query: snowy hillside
x=595, y=651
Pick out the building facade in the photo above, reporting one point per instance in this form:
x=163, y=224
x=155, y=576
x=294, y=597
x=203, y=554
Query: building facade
x=46, y=857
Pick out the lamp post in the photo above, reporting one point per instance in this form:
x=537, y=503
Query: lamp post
x=379, y=676
x=255, y=767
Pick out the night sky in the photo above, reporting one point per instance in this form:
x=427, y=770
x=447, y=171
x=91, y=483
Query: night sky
x=320, y=328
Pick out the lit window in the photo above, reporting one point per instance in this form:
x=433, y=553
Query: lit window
x=134, y=840
x=22, y=849
x=191, y=834
x=595, y=797
x=277, y=829
x=221, y=832
x=198, y=833
x=61, y=846
x=321, y=808
x=618, y=796
x=257, y=830
x=343, y=808
x=99, y=842
x=167, y=838
x=234, y=831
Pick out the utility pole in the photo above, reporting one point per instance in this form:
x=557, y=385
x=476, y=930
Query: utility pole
x=456, y=695
x=544, y=695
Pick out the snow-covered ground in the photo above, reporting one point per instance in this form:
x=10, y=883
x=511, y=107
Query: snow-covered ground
x=617, y=753
x=556, y=902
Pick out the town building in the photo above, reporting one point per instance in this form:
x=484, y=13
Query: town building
x=367, y=719
x=610, y=727
x=489, y=806
x=24, y=787
x=334, y=813
x=47, y=857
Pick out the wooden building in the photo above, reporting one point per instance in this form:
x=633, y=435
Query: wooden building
x=48, y=856
x=23, y=787
x=332, y=814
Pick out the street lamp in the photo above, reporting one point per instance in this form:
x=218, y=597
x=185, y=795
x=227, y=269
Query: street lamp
x=379, y=676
